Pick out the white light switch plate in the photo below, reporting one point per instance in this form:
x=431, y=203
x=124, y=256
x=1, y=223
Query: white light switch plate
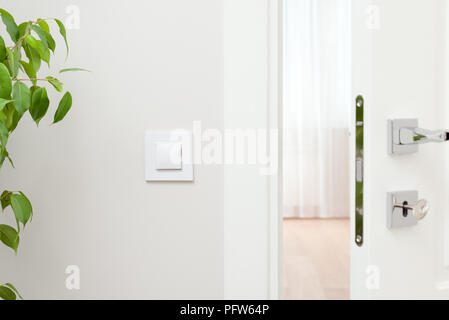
x=168, y=156
x=160, y=146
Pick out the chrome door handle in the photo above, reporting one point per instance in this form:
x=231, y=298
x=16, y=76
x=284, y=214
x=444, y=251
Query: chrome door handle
x=409, y=136
x=405, y=136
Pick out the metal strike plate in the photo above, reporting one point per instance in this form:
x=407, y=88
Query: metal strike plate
x=396, y=217
x=394, y=144
x=359, y=165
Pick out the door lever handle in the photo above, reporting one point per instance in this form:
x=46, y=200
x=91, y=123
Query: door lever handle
x=405, y=136
x=408, y=136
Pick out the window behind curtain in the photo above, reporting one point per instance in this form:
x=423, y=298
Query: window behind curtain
x=317, y=101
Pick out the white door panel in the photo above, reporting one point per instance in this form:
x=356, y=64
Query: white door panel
x=399, y=63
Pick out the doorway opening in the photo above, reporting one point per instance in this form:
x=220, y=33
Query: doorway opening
x=316, y=124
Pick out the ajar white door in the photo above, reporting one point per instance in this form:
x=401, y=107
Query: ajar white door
x=400, y=192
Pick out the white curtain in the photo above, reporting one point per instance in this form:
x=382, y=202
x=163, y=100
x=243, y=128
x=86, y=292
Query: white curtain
x=317, y=102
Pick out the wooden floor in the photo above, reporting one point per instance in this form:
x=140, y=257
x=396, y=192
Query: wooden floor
x=316, y=259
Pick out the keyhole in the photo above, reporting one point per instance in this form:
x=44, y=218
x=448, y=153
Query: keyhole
x=405, y=210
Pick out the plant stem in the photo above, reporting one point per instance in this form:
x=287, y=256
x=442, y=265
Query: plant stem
x=33, y=79
x=19, y=42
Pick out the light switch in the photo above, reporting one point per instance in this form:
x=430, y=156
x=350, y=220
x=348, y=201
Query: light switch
x=168, y=156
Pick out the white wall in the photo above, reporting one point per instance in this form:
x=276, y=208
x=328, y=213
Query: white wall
x=156, y=64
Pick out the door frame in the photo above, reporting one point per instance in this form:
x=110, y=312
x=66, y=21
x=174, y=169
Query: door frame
x=252, y=85
x=275, y=107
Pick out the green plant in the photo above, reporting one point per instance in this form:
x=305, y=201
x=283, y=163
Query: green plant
x=23, y=91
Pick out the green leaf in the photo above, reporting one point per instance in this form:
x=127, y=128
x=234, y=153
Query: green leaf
x=4, y=155
x=29, y=203
x=41, y=34
x=51, y=42
x=5, y=82
x=9, y=236
x=64, y=106
x=7, y=294
x=39, y=104
x=36, y=44
x=63, y=33
x=3, y=117
x=22, y=208
x=2, y=49
x=46, y=57
x=10, y=24
x=55, y=83
x=12, y=117
x=43, y=24
x=22, y=97
x=4, y=135
x=24, y=28
x=73, y=69
x=33, y=57
x=5, y=199
x=4, y=102
x=32, y=89
x=29, y=70
x=46, y=31
x=13, y=289
x=13, y=62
